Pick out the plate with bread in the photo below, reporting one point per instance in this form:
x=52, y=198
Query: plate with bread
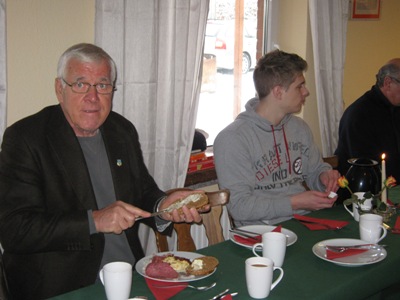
x=254, y=233
x=177, y=266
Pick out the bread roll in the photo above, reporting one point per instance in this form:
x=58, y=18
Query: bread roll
x=202, y=266
x=196, y=200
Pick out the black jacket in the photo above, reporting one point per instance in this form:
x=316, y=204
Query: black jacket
x=45, y=193
x=368, y=128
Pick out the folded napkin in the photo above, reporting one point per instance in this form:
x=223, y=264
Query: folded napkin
x=165, y=293
x=332, y=254
x=319, y=224
x=247, y=241
x=257, y=238
x=396, y=228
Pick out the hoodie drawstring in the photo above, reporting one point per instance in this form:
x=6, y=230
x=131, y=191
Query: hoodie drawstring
x=286, y=148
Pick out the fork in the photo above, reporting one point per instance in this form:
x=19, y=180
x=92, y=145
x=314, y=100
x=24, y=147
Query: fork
x=199, y=288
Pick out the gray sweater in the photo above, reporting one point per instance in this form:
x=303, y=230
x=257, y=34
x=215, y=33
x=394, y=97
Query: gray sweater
x=263, y=165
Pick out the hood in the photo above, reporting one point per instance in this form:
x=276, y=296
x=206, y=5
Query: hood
x=251, y=115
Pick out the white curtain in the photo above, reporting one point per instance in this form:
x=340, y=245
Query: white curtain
x=3, y=77
x=158, y=49
x=328, y=28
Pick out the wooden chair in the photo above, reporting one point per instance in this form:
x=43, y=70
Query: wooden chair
x=211, y=222
x=332, y=160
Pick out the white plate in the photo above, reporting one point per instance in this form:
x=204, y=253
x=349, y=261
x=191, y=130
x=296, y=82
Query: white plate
x=371, y=256
x=142, y=264
x=290, y=235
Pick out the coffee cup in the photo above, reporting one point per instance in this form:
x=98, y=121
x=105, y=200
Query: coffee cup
x=366, y=206
x=371, y=228
x=273, y=246
x=259, y=275
x=117, y=280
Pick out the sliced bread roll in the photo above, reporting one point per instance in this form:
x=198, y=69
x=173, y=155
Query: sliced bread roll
x=202, y=266
x=196, y=200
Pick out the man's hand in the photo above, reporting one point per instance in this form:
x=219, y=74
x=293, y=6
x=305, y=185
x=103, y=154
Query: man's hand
x=330, y=180
x=117, y=217
x=312, y=200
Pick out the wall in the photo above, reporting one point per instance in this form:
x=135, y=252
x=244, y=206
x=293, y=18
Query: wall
x=295, y=37
x=38, y=31
x=370, y=44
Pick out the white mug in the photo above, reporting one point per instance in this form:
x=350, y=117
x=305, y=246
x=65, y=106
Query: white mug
x=259, y=275
x=367, y=205
x=273, y=246
x=117, y=280
x=371, y=227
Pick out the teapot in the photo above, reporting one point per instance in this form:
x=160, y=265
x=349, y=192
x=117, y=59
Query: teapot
x=363, y=175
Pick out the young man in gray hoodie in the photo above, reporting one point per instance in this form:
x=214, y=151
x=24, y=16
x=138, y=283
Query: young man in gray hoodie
x=266, y=154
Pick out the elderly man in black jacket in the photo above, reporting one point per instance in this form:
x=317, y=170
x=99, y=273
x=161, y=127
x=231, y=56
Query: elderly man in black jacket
x=72, y=183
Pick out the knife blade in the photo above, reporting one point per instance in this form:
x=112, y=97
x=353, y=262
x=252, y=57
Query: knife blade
x=154, y=214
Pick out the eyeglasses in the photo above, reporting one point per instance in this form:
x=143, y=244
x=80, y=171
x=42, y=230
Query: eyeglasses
x=83, y=87
x=395, y=79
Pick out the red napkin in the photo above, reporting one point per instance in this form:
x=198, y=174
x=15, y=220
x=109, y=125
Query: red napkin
x=257, y=238
x=164, y=293
x=332, y=254
x=227, y=297
x=396, y=228
x=247, y=241
x=319, y=223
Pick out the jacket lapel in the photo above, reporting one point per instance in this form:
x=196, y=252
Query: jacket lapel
x=66, y=146
x=119, y=158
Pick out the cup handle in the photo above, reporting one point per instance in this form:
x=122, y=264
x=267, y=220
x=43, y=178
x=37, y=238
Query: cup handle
x=278, y=279
x=350, y=212
x=255, y=247
x=384, y=232
x=101, y=276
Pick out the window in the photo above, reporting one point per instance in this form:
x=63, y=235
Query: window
x=227, y=82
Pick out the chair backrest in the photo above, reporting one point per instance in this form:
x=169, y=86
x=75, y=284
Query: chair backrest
x=211, y=222
x=332, y=160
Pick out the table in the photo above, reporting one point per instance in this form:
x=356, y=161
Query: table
x=306, y=276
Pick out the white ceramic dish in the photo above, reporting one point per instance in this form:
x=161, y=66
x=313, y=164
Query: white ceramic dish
x=290, y=235
x=371, y=256
x=141, y=266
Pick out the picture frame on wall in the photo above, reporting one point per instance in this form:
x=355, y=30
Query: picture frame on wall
x=366, y=9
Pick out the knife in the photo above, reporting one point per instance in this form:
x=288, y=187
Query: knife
x=220, y=295
x=244, y=235
x=223, y=296
x=154, y=214
x=347, y=247
x=244, y=231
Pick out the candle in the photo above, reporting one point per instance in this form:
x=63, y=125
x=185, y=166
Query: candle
x=384, y=191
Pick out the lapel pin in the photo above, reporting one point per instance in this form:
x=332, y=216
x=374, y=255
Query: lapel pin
x=119, y=162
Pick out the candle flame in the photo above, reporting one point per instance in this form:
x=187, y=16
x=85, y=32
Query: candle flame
x=383, y=156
